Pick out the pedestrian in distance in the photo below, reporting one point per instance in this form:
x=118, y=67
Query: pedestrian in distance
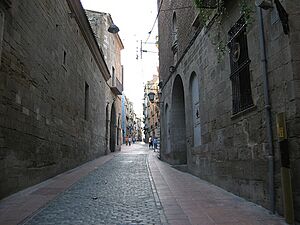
x=129, y=140
x=155, y=143
x=150, y=142
x=126, y=140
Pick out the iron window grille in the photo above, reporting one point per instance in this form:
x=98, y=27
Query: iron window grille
x=239, y=64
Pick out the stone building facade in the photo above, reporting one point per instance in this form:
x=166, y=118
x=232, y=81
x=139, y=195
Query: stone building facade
x=151, y=109
x=111, y=46
x=213, y=119
x=131, y=126
x=54, y=91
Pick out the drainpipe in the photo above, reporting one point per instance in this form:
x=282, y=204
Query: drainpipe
x=264, y=66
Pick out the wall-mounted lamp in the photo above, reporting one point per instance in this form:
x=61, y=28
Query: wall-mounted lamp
x=151, y=96
x=171, y=69
x=113, y=29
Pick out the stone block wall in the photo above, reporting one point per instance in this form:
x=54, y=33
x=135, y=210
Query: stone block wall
x=47, y=124
x=184, y=9
x=233, y=152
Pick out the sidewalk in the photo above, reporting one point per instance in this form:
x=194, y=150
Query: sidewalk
x=187, y=199
x=16, y=208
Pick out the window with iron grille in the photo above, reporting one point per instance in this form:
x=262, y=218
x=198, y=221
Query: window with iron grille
x=239, y=63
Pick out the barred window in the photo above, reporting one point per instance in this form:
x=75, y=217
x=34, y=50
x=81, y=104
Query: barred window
x=239, y=63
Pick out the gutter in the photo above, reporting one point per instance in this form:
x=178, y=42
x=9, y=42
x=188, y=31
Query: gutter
x=264, y=67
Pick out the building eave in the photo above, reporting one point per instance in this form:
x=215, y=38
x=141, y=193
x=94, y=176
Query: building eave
x=87, y=32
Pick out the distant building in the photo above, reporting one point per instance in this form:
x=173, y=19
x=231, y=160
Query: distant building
x=151, y=109
x=131, y=123
x=111, y=46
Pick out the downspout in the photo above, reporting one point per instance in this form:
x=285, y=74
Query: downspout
x=264, y=67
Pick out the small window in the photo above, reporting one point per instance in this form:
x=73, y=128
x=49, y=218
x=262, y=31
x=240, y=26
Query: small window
x=239, y=63
x=64, y=58
x=113, y=80
x=86, y=101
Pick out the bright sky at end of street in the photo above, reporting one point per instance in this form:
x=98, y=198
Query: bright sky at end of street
x=135, y=19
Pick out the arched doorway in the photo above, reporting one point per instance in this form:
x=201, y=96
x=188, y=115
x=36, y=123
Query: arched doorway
x=106, y=128
x=167, y=129
x=195, y=117
x=178, y=132
x=118, y=131
x=112, y=137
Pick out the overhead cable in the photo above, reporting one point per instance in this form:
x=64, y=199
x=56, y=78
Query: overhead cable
x=159, y=10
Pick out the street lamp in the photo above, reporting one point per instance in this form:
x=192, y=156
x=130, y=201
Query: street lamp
x=113, y=29
x=151, y=96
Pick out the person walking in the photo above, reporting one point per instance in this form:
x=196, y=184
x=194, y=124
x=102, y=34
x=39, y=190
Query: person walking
x=126, y=140
x=129, y=140
x=150, y=142
x=155, y=143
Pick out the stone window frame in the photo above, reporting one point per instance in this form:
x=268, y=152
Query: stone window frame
x=240, y=68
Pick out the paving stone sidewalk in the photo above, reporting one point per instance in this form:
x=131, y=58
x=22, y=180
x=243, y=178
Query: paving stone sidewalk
x=188, y=200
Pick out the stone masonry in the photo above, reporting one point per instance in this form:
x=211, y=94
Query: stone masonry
x=53, y=92
x=233, y=149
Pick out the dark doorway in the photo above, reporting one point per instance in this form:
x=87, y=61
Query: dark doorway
x=106, y=128
x=178, y=135
x=113, y=129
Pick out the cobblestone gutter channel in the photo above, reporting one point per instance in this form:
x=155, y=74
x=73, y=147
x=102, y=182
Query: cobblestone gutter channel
x=119, y=192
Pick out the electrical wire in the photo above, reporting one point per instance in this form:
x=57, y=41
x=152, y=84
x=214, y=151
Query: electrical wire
x=159, y=10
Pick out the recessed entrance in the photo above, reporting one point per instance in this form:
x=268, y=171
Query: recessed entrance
x=178, y=132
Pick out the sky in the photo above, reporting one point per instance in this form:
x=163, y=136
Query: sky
x=135, y=19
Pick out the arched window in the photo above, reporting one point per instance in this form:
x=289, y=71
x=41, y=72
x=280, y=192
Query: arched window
x=174, y=37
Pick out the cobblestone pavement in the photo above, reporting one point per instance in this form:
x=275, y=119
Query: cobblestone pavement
x=130, y=187
x=119, y=192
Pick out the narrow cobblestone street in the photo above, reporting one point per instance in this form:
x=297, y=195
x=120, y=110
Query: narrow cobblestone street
x=130, y=187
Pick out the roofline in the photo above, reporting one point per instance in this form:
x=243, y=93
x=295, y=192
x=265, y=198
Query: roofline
x=87, y=32
x=111, y=21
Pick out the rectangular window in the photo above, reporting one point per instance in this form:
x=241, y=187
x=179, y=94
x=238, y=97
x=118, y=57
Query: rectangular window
x=64, y=58
x=113, y=79
x=239, y=64
x=86, y=101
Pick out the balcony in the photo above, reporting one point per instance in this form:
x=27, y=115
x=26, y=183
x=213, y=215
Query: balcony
x=116, y=87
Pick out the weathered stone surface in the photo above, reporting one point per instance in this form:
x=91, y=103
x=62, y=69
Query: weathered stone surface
x=234, y=149
x=45, y=64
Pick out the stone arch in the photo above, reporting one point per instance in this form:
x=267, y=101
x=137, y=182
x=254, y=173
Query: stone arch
x=113, y=129
x=195, y=112
x=178, y=132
